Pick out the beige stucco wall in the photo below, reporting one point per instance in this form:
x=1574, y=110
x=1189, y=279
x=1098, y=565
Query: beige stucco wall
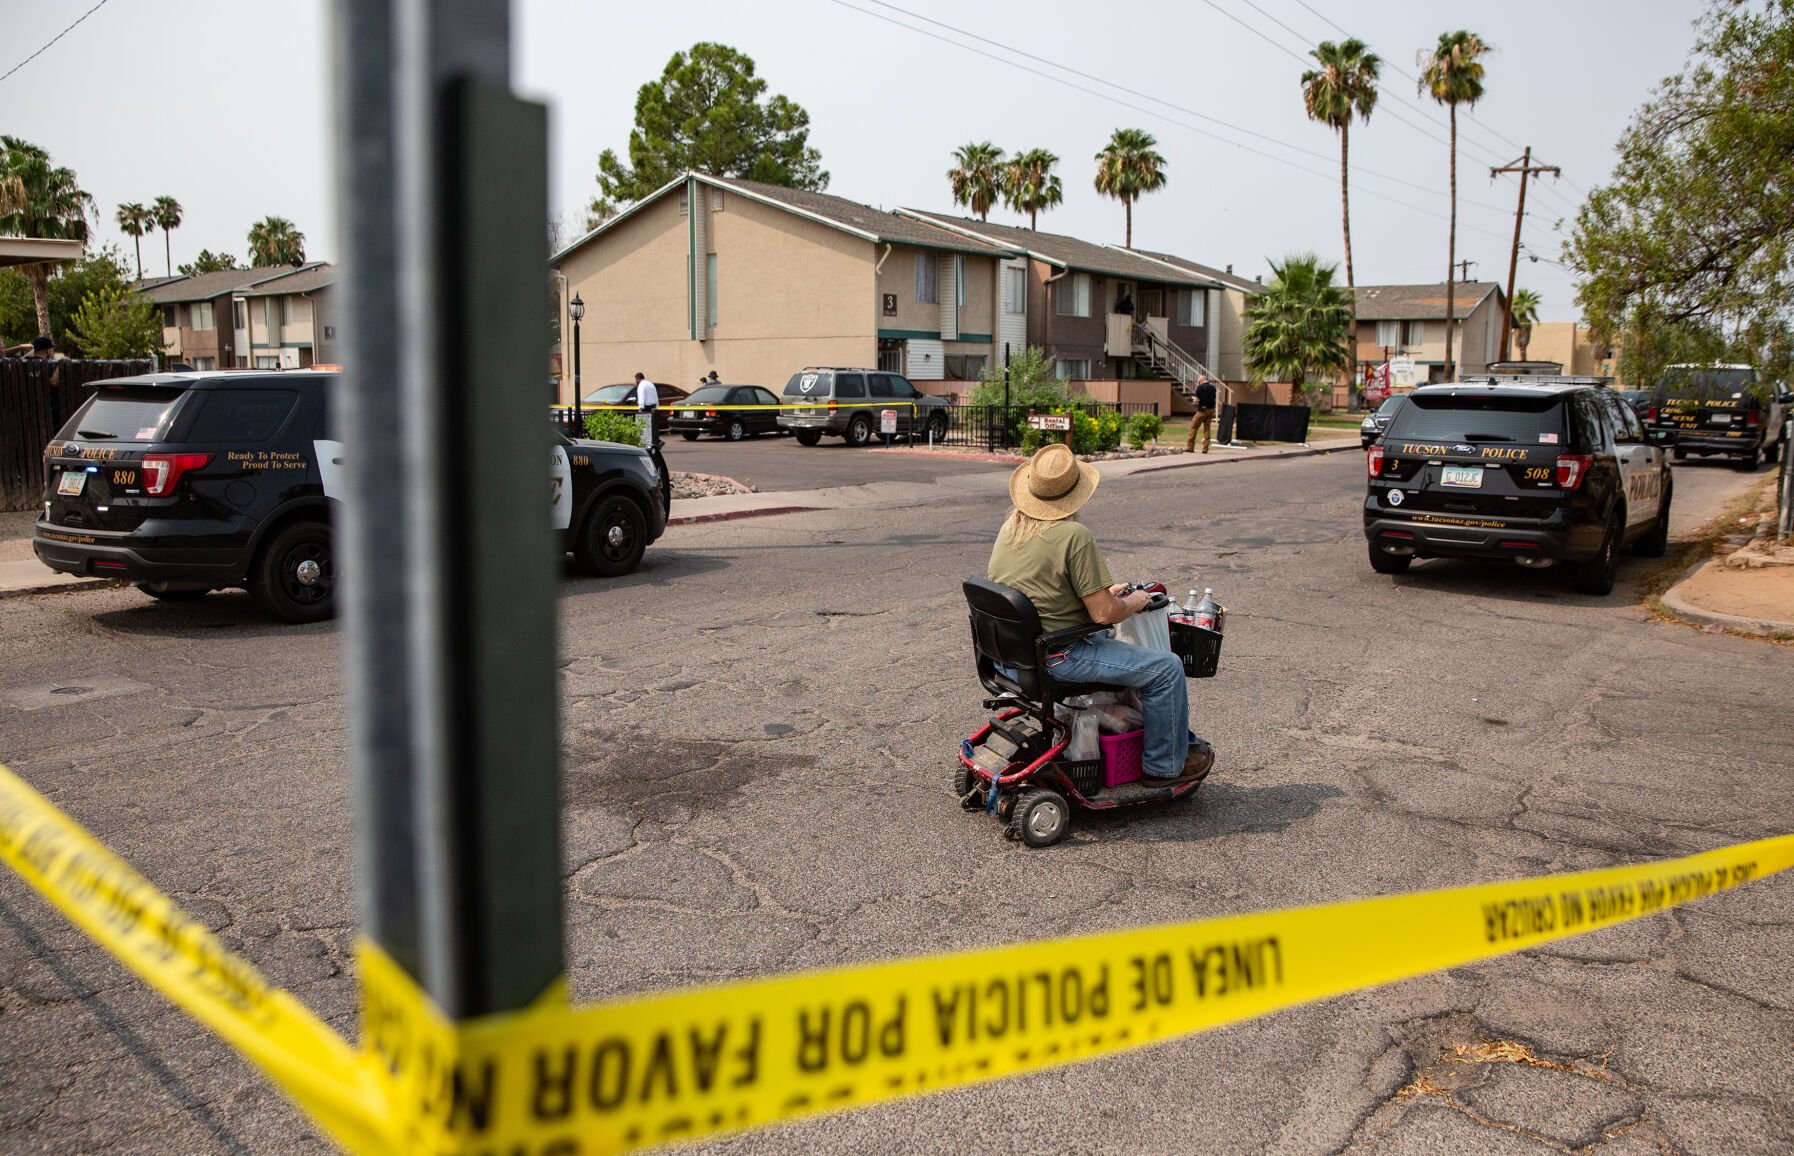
x=978, y=315
x=1232, y=365
x=790, y=293
x=1568, y=344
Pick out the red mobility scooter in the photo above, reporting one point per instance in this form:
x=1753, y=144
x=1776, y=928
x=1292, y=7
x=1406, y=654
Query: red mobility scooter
x=1014, y=767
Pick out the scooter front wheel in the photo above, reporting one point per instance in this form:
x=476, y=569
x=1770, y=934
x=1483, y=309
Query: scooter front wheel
x=1040, y=817
x=968, y=787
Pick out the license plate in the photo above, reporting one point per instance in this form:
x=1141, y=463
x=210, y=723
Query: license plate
x=71, y=483
x=1720, y=418
x=688, y=413
x=1466, y=477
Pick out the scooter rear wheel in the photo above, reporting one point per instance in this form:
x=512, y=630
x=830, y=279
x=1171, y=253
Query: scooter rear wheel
x=1040, y=818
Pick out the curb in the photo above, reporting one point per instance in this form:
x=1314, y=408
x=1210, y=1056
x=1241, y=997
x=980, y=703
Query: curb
x=1690, y=612
x=1280, y=456
x=60, y=587
x=735, y=515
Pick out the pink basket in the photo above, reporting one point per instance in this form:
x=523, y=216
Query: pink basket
x=1121, y=756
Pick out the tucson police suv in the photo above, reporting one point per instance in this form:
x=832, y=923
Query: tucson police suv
x=183, y=483
x=1538, y=471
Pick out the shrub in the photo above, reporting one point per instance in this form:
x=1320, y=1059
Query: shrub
x=1031, y=383
x=614, y=425
x=1142, y=428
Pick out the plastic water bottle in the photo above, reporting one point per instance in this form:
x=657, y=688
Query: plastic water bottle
x=1187, y=612
x=1207, y=613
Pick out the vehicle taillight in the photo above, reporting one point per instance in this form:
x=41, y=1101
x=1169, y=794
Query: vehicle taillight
x=709, y=413
x=1752, y=416
x=832, y=405
x=1373, y=460
x=1651, y=413
x=1572, y=468
x=162, y=471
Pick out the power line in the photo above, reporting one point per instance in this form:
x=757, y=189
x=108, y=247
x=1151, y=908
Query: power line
x=54, y=39
x=1060, y=79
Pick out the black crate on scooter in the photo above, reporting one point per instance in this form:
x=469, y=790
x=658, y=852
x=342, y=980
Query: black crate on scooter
x=1198, y=647
x=1086, y=775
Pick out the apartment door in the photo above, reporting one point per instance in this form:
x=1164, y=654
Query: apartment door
x=890, y=357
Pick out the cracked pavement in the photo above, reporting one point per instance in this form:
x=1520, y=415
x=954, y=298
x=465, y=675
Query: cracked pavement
x=757, y=729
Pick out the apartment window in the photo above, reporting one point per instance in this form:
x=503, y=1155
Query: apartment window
x=1195, y=307
x=203, y=362
x=965, y=367
x=201, y=314
x=927, y=291
x=294, y=310
x=267, y=320
x=168, y=317
x=716, y=200
x=264, y=362
x=1389, y=334
x=239, y=316
x=710, y=287
x=684, y=199
x=959, y=280
x=1072, y=369
x=1416, y=333
x=1071, y=295
x=1015, y=290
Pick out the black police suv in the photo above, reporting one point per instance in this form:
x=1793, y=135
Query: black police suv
x=1535, y=472
x=1721, y=409
x=184, y=483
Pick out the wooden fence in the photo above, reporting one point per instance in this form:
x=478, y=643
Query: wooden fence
x=32, y=411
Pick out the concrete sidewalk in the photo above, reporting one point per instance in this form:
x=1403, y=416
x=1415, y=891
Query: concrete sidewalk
x=21, y=573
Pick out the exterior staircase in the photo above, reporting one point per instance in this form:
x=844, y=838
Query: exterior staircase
x=1164, y=359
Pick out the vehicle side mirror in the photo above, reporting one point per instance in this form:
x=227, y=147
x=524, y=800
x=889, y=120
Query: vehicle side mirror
x=1661, y=437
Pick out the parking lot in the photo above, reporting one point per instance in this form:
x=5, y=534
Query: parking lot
x=756, y=733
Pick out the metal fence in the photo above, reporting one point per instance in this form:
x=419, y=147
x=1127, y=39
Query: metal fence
x=1784, y=490
x=996, y=427
x=33, y=407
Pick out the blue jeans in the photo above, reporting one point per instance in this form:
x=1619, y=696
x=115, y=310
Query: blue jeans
x=1159, y=677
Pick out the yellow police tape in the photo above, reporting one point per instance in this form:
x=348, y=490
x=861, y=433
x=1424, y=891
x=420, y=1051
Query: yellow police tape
x=624, y=1074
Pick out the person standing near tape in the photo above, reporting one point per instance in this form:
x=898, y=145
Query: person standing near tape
x=1205, y=415
x=647, y=401
x=1044, y=552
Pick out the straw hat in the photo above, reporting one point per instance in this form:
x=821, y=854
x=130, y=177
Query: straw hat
x=1053, y=484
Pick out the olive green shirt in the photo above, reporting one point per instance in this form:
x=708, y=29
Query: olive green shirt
x=1055, y=569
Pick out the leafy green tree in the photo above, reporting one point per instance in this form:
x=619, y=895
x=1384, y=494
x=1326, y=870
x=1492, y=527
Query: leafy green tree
x=1296, y=328
x=1128, y=167
x=1344, y=86
x=1030, y=185
x=134, y=221
x=210, y=262
x=114, y=322
x=1525, y=310
x=705, y=113
x=98, y=269
x=40, y=200
x=1691, y=238
x=167, y=212
x=1031, y=383
x=275, y=241
x=1453, y=73
x=977, y=177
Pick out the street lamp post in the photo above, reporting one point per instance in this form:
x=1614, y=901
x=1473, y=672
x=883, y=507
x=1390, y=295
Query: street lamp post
x=576, y=309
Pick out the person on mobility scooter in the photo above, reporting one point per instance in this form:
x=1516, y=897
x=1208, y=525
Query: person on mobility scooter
x=1039, y=630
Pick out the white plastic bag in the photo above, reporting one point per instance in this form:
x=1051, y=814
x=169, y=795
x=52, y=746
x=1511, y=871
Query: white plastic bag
x=1084, y=721
x=1148, y=628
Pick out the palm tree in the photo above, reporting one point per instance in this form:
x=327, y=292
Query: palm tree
x=1296, y=328
x=167, y=212
x=134, y=221
x=274, y=241
x=1453, y=74
x=1029, y=184
x=40, y=200
x=1525, y=311
x=1127, y=168
x=977, y=177
x=1344, y=85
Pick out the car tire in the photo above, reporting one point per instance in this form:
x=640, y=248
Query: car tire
x=1654, y=543
x=162, y=592
x=735, y=431
x=937, y=428
x=808, y=437
x=1773, y=454
x=1679, y=455
x=1596, y=575
x=1040, y=817
x=1751, y=461
x=294, y=575
x=689, y=435
x=1386, y=563
x=612, y=539
x=859, y=430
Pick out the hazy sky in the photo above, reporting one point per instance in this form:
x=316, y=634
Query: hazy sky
x=224, y=106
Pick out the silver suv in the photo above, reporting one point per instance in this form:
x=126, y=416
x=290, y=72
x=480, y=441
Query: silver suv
x=848, y=403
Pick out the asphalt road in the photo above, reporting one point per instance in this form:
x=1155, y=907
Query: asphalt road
x=757, y=729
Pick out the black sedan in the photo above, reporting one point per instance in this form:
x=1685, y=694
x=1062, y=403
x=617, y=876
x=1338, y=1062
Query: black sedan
x=1375, y=422
x=711, y=410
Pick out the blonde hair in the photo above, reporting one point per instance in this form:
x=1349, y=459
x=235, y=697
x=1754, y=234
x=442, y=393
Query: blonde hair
x=1023, y=527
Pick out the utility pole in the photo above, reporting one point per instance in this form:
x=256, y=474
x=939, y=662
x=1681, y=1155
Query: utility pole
x=1525, y=168
x=1464, y=264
